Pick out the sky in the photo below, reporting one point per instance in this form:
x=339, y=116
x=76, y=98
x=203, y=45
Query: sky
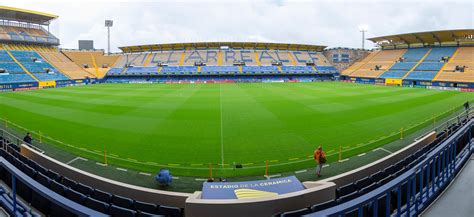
x=333, y=23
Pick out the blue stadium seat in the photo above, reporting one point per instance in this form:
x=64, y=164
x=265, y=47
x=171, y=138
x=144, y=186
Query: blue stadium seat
x=170, y=211
x=57, y=187
x=96, y=205
x=53, y=175
x=377, y=176
x=75, y=196
x=121, y=212
x=102, y=196
x=322, y=206
x=84, y=189
x=296, y=213
x=69, y=183
x=368, y=188
x=114, y=71
x=145, y=207
x=346, y=189
x=362, y=183
x=347, y=197
x=122, y=202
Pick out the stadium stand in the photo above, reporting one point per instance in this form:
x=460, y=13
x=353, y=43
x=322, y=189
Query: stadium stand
x=35, y=64
x=137, y=70
x=431, y=64
x=463, y=59
x=32, y=34
x=375, y=64
x=94, y=62
x=70, y=190
x=65, y=65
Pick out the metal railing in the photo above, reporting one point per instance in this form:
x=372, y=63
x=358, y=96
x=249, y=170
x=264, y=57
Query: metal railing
x=419, y=185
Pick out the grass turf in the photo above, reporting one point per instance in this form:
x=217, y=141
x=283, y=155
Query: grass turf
x=185, y=126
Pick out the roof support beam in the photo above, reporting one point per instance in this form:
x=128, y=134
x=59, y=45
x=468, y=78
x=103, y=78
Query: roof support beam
x=436, y=37
x=419, y=39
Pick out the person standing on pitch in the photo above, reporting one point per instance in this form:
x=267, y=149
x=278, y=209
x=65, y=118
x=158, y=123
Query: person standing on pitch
x=320, y=158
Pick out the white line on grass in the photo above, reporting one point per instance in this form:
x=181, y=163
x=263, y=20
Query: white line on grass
x=77, y=158
x=175, y=177
x=273, y=176
x=145, y=174
x=343, y=160
x=222, y=132
x=200, y=180
x=301, y=171
x=383, y=149
x=326, y=165
x=360, y=155
x=101, y=164
x=122, y=169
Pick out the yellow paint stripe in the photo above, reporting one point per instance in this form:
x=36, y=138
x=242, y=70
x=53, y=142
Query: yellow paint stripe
x=219, y=58
x=17, y=62
x=416, y=65
x=148, y=59
x=388, y=68
x=181, y=62
x=444, y=66
x=257, y=60
x=293, y=61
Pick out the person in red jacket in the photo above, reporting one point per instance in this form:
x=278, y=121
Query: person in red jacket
x=320, y=158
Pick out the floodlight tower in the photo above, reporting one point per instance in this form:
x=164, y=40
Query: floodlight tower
x=108, y=24
x=363, y=29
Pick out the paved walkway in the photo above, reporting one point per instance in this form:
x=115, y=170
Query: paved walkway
x=458, y=199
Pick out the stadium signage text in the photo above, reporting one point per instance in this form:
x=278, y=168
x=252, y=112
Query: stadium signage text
x=254, y=189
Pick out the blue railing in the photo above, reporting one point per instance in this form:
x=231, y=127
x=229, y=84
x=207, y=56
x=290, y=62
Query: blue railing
x=416, y=188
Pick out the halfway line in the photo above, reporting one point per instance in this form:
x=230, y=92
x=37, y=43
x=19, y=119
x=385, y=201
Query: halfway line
x=222, y=132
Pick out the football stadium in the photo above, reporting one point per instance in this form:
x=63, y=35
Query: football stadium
x=228, y=128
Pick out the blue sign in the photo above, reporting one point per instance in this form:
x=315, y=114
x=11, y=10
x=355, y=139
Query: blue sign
x=251, y=189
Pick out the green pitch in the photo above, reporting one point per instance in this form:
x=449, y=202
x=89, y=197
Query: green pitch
x=186, y=127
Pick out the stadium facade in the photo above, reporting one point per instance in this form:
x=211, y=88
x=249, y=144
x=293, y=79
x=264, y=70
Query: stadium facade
x=403, y=183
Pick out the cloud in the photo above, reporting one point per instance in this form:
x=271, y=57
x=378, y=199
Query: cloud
x=330, y=23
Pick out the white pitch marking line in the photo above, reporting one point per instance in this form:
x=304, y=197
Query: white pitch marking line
x=343, y=160
x=145, y=174
x=222, y=131
x=122, y=169
x=273, y=176
x=175, y=177
x=360, y=155
x=383, y=149
x=101, y=164
x=200, y=180
x=301, y=171
x=77, y=158
x=326, y=165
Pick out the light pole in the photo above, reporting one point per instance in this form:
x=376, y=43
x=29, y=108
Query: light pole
x=363, y=29
x=108, y=24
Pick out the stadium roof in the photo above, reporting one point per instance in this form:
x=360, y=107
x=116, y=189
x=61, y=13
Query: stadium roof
x=431, y=37
x=218, y=45
x=24, y=15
